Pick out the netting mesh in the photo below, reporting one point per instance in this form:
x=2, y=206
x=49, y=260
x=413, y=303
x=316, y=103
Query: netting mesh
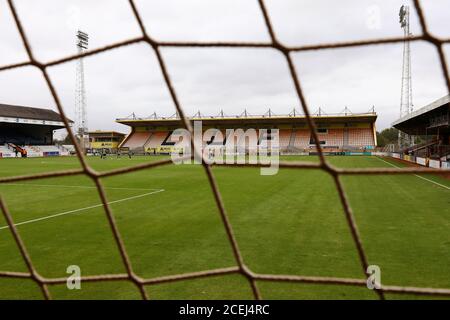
x=241, y=267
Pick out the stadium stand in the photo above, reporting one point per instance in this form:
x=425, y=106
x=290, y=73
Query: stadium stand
x=285, y=138
x=156, y=140
x=301, y=139
x=433, y=123
x=27, y=131
x=335, y=138
x=6, y=151
x=68, y=148
x=212, y=137
x=45, y=151
x=136, y=140
x=47, y=148
x=360, y=137
x=101, y=140
x=337, y=133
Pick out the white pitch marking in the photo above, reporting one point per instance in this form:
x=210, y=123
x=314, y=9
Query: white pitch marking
x=436, y=183
x=60, y=163
x=82, y=209
x=68, y=186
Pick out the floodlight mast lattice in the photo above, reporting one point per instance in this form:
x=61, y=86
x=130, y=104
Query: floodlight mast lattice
x=406, y=103
x=81, y=124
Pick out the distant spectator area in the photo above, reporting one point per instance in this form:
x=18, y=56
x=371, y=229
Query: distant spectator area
x=28, y=126
x=336, y=133
x=432, y=124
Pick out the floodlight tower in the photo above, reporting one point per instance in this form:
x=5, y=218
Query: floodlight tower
x=81, y=124
x=406, y=103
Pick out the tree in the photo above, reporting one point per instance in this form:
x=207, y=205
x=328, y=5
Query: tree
x=387, y=136
x=390, y=136
x=65, y=141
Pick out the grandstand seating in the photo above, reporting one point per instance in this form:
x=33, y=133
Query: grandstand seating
x=360, y=137
x=260, y=135
x=285, y=138
x=67, y=149
x=48, y=148
x=331, y=139
x=156, y=139
x=41, y=151
x=32, y=151
x=37, y=149
x=301, y=139
x=137, y=140
x=22, y=139
x=218, y=140
x=5, y=151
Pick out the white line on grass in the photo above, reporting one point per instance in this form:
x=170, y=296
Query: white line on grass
x=60, y=163
x=436, y=183
x=82, y=209
x=68, y=186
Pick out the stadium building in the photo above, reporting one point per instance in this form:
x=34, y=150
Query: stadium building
x=433, y=123
x=26, y=131
x=340, y=133
x=109, y=140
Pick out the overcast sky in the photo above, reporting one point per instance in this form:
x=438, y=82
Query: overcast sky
x=128, y=80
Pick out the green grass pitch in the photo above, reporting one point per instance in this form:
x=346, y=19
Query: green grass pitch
x=289, y=223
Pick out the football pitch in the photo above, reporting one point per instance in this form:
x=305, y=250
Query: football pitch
x=289, y=223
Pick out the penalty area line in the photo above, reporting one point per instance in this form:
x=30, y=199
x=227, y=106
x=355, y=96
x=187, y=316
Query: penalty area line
x=82, y=209
x=436, y=183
